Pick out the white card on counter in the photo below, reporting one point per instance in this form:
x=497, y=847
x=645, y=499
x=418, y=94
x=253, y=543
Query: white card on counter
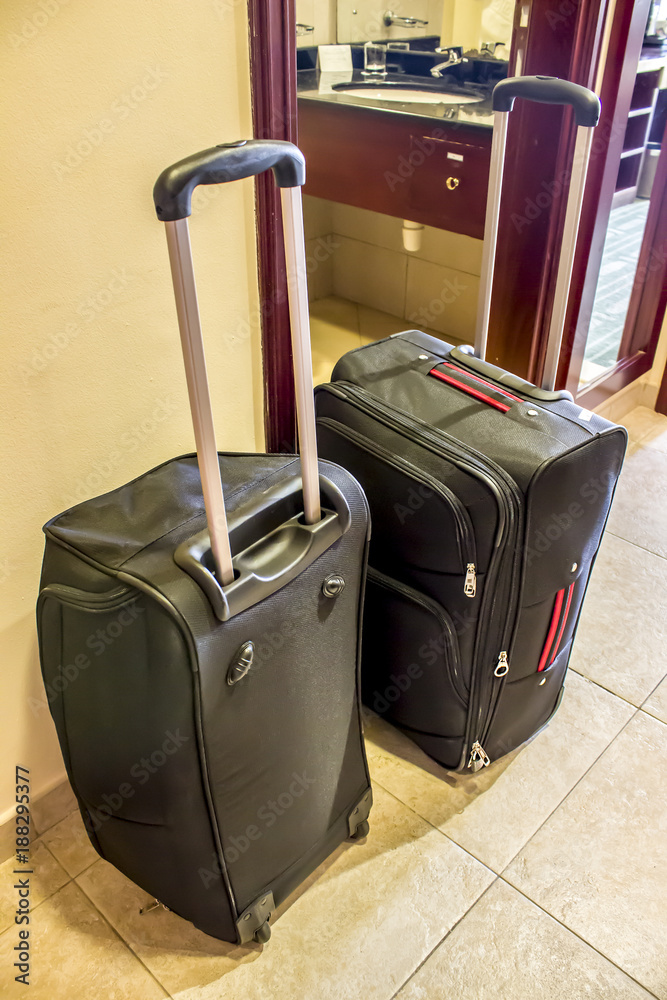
x=334, y=58
x=327, y=80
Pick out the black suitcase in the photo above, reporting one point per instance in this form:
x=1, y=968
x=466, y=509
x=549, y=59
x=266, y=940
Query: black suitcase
x=205, y=688
x=488, y=496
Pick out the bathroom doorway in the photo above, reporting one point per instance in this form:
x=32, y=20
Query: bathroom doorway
x=523, y=300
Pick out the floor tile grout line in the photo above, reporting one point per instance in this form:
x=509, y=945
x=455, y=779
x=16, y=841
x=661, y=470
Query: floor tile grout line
x=607, y=690
x=547, y=818
x=650, y=714
x=577, y=935
x=88, y=867
x=443, y=938
x=71, y=879
x=571, y=790
x=51, y=894
x=51, y=826
x=437, y=829
x=120, y=937
x=407, y=254
x=658, y=555
x=651, y=695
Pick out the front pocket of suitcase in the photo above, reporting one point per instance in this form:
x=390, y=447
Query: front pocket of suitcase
x=544, y=630
x=525, y=706
x=105, y=658
x=118, y=678
x=396, y=491
x=411, y=672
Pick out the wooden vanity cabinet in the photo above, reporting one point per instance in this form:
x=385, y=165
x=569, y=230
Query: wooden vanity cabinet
x=431, y=171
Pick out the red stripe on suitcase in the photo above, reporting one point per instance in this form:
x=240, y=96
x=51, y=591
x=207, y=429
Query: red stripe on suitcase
x=469, y=389
x=562, y=628
x=555, y=616
x=482, y=381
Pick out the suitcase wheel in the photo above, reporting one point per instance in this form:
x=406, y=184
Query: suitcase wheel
x=362, y=831
x=263, y=933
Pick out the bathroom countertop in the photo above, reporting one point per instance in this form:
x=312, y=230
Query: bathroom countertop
x=313, y=86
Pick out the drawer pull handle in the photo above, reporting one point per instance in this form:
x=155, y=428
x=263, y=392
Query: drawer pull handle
x=452, y=183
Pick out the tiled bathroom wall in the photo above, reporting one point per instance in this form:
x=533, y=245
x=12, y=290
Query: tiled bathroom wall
x=321, y=16
x=362, y=20
x=359, y=255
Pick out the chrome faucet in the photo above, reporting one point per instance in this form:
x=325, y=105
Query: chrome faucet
x=390, y=19
x=453, y=59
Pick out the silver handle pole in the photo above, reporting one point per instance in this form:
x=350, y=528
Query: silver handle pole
x=295, y=257
x=498, y=143
x=582, y=152
x=185, y=291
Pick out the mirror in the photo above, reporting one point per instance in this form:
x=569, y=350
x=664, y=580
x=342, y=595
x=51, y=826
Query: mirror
x=395, y=210
x=621, y=277
x=467, y=23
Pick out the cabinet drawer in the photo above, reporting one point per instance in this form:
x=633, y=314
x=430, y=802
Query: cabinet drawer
x=396, y=164
x=450, y=183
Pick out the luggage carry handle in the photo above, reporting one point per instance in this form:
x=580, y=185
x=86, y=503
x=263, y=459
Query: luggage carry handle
x=586, y=105
x=172, y=196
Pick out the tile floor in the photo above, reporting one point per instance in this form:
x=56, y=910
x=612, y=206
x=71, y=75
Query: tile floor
x=541, y=877
x=339, y=325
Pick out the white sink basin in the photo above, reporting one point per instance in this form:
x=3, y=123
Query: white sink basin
x=408, y=95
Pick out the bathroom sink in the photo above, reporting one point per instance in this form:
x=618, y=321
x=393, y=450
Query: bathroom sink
x=412, y=93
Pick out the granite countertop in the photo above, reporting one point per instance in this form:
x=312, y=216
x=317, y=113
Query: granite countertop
x=313, y=86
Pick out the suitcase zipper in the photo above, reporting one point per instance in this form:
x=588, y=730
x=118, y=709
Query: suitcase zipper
x=485, y=687
x=478, y=757
x=465, y=534
x=444, y=620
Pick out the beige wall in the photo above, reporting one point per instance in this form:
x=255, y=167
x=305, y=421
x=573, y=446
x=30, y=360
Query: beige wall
x=96, y=99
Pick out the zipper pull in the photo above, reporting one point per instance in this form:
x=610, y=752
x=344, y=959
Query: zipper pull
x=478, y=757
x=470, y=585
x=502, y=666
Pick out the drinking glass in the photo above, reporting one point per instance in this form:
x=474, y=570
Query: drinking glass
x=375, y=59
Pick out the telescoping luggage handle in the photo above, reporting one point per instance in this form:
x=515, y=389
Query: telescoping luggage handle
x=586, y=105
x=172, y=196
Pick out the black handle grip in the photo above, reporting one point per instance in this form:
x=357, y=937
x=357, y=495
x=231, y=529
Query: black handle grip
x=228, y=162
x=499, y=375
x=548, y=90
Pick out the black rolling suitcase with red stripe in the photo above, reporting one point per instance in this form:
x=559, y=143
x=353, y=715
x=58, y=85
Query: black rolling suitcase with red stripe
x=201, y=659
x=488, y=497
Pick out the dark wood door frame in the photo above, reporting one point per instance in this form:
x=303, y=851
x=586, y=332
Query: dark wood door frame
x=273, y=89
x=559, y=40
x=647, y=307
x=661, y=403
